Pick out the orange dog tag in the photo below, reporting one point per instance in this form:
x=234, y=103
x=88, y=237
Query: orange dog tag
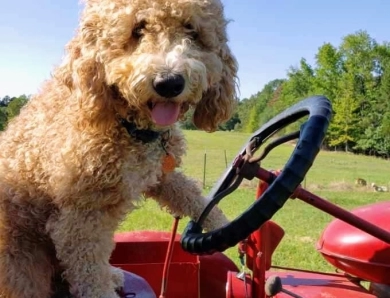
x=168, y=163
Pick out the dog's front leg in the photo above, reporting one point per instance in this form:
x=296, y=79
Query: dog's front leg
x=182, y=196
x=83, y=243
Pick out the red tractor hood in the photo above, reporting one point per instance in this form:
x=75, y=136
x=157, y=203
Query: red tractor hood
x=356, y=252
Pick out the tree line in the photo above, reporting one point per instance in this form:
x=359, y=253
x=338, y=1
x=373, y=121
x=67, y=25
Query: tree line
x=10, y=107
x=355, y=76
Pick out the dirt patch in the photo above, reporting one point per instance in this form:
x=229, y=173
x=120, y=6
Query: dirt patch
x=251, y=184
x=313, y=187
x=341, y=186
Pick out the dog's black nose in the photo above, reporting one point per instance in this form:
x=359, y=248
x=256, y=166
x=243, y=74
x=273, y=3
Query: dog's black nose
x=169, y=85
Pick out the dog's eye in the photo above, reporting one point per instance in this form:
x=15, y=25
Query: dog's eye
x=138, y=30
x=190, y=30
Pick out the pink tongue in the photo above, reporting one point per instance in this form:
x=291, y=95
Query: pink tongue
x=165, y=114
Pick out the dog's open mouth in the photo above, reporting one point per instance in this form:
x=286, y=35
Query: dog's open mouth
x=164, y=113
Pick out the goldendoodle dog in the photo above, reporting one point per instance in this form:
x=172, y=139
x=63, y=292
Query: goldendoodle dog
x=102, y=134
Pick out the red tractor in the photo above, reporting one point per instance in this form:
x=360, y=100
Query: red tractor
x=192, y=265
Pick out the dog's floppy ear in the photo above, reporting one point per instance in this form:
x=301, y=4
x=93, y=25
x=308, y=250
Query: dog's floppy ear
x=218, y=102
x=84, y=75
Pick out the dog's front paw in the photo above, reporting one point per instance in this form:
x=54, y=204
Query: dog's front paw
x=117, y=277
x=215, y=220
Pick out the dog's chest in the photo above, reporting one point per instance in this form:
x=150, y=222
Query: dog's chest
x=143, y=168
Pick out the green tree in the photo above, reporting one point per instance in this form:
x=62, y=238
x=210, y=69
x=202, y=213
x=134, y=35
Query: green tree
x=298, y=85
x=328, y=71
x=345, y=118
x=3, y=118
x=375, y=105
x=261, y=105
x=231, y=123
x=15, y=105
x=348, y=76
x=5, y=101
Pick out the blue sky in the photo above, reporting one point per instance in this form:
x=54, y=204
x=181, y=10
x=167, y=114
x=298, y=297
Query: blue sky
x=267, y=36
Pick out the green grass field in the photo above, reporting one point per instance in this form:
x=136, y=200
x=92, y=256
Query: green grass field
x=332, y=177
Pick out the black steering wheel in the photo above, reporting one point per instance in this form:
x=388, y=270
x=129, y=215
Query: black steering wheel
x=311, y=136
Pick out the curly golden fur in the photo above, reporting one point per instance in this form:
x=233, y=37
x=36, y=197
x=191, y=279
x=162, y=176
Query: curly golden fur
x=69, y=170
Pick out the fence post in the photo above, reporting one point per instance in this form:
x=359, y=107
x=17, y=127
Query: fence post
x=204, y=169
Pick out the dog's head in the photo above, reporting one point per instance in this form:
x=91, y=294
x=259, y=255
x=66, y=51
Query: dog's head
x=152, y=60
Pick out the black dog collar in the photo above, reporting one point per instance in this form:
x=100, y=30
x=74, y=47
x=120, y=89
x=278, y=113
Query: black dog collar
x=143, y=135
